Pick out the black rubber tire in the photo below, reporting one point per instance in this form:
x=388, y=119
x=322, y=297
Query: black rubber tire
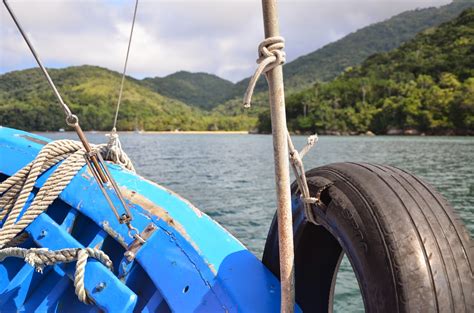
x=409, y=250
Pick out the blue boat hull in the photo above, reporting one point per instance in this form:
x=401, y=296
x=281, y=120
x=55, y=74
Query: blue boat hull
x=188, y=264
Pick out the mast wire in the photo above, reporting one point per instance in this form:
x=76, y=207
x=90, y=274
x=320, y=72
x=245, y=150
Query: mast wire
x=114, y=129
x=65, y=107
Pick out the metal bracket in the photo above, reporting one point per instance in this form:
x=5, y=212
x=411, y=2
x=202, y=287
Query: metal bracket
x=135, y=246
x=316, y=201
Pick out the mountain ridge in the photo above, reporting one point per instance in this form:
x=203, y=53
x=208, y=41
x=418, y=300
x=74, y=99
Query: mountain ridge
x=327, y=62
x=27, y=102
x=424, y=86
x=200, y=89
x=211, y=102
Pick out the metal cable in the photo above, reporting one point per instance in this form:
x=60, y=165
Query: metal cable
x=70, y=118
x=125, y=68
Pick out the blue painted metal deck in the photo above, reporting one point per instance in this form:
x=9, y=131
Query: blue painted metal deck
x=189, y=264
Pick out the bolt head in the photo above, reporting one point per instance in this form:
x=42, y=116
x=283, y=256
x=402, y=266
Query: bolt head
x=43, y=234
x=100, y=286
x=129, y=255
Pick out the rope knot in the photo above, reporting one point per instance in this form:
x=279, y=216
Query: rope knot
x=312, y=140
x=295, y=158
x=33, y=257
x=270, y=55
x=114, y=152
x=271, y=50
x=41, y=257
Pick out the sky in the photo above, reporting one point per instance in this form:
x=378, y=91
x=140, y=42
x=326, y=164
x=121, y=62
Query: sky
x=213, y=36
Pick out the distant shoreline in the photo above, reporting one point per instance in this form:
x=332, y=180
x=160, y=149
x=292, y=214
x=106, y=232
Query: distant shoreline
x=200, y=132
x=186, y=132
x=244, y=132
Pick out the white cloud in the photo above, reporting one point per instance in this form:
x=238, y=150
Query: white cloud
x=217, y=36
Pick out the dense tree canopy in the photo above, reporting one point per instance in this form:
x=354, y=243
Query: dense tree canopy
x=426, y=85
x=197, y=89
x=27, y=102
x=331, y=60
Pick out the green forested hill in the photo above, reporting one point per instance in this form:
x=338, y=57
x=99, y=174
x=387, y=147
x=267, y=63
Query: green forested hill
x=326, y=63
x=209, y=91
x=427, y=85
x=424, y=85
x=27, y=102
x=198, y=89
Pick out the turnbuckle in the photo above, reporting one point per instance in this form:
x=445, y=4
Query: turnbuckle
x=104, y=179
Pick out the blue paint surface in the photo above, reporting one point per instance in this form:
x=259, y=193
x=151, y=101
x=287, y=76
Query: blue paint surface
x=190, y=263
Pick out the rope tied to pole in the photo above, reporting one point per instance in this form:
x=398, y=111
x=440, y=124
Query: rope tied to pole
x=270, y=55
x=41, y=257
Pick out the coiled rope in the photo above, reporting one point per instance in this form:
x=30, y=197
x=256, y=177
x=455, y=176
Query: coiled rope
x=271, y=55
x=15, y=192
x=16, y=189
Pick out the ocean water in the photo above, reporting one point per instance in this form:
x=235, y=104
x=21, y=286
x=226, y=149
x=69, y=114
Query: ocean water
x=231, y=178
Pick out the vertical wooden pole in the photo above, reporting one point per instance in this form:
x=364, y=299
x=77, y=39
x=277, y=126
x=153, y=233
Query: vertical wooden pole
x=282, y=172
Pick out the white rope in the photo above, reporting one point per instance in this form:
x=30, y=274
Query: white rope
x=115, y=152
x=271, y=55
x=39, y=258
x=296, y=161
x=16, y=190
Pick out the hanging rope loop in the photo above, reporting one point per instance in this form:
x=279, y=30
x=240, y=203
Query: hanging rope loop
x=270, y=55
